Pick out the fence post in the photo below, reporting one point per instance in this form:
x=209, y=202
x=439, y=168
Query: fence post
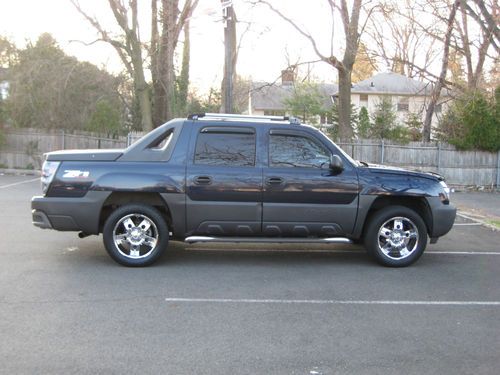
x=382, y=152
x=128, y=139
x=498, y=170
x=438, y=157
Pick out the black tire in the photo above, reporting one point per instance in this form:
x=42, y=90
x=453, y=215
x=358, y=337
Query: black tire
x=145, y=236
x=400, y=245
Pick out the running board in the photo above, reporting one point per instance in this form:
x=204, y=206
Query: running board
x=194, y=239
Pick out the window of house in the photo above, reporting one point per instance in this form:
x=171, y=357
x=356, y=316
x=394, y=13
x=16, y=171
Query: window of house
x=217, y=146
x=296, y=151
x=274, y=113
x=438, y=108
x=403, y=105
x=363, y=97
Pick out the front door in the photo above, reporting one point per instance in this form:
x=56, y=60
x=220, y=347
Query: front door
x=302, y=197
x=224, y=185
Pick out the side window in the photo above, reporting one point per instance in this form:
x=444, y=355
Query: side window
x=296, y=151
x=225, y=148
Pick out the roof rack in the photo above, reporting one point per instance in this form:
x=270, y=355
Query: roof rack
x=231, y=117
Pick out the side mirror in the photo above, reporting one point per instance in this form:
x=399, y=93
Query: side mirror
x=336, y=164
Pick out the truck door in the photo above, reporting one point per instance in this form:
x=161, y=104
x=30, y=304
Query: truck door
x=223, y=181
x=302, y=197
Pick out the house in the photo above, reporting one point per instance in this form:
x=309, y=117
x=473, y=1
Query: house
x=269, y=99
x=406, y=95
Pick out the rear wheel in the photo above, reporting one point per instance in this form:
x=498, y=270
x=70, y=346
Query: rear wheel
x=396, y=236
x=135, y=235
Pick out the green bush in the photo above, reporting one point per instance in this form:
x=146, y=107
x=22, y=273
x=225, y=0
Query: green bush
x=473, y=122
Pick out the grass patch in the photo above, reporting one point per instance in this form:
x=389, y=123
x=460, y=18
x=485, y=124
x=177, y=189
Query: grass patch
x=494, y=222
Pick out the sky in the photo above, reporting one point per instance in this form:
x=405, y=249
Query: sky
x=265, y=48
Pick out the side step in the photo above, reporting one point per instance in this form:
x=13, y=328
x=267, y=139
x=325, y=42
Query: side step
x=194, y=239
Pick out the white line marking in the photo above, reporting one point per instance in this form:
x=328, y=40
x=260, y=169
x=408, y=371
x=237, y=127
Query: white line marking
x=19, y=183
x=463, y=252
x=333, y=302
x=236, y=250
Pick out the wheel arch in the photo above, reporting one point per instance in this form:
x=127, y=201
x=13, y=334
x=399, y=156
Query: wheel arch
x=117, y=199
x=416, y=203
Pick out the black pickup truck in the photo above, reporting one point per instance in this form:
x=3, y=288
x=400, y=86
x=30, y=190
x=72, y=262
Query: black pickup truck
x=230, y=178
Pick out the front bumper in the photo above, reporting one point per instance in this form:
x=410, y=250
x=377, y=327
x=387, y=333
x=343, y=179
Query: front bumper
x=69, y=214
x=443, y=217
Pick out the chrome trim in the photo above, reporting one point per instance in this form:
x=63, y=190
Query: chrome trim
x=193, y=239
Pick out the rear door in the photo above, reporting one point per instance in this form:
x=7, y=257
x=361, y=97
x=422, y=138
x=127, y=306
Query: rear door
x=224, y=184
x=302, y=197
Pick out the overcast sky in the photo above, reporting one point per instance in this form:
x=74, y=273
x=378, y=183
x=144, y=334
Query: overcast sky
x=264, y=47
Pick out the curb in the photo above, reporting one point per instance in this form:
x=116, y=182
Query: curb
x=19, y=172
x=476, y=220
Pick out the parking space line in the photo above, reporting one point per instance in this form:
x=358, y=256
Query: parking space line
x=19, y=183
x=463, y=252
x=437, y=252
x=332, y=302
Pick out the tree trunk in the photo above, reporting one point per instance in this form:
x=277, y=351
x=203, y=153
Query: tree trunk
x=183, y=81
x=436, y=92
x=344, y=104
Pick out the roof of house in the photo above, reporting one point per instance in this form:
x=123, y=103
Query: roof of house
x=391, y=83
x=271, y=97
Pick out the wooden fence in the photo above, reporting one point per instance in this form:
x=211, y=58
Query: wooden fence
x=24, y=148
x=460, y=168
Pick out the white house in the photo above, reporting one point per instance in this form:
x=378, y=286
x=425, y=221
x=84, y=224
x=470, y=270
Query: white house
x=407, y=95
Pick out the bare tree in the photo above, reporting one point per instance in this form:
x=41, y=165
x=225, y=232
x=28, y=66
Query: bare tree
x=132, y=52
x=475, y=49
x=350, y=21
x=400, y=40
x=129, y=48
x=436, y=91
x=172, y=20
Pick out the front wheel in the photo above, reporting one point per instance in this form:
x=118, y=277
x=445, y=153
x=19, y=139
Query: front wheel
x=396, y=236
x=135, y=235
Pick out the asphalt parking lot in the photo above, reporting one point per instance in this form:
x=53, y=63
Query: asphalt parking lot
x=66, y=307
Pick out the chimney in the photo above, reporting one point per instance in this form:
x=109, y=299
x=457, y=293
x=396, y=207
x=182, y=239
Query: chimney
x=288, y=76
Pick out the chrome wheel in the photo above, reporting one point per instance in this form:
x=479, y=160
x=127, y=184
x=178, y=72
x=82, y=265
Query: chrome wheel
x=135, y=236
x=398, y=238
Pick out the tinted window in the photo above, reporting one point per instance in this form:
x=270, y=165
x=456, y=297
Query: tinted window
x=296, y=151
x=230, y=149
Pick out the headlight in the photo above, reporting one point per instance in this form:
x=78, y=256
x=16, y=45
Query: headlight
x=49, y=170
x=445, y=196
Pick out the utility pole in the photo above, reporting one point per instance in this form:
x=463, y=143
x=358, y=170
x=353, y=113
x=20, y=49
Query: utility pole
x=229, y=19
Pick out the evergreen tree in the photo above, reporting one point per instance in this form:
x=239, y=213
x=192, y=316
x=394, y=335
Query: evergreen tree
x=414, y=125
x=384, y=120
x=364, y=125
x=473, y=122
x=49, y=89
x=334, y=114
x=305, y=103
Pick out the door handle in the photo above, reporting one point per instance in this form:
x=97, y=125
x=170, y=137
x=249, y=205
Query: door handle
x=203, y=180
x=274, y=181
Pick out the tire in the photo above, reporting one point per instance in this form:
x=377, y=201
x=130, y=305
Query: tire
x=135, y=235
x=396, y=236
